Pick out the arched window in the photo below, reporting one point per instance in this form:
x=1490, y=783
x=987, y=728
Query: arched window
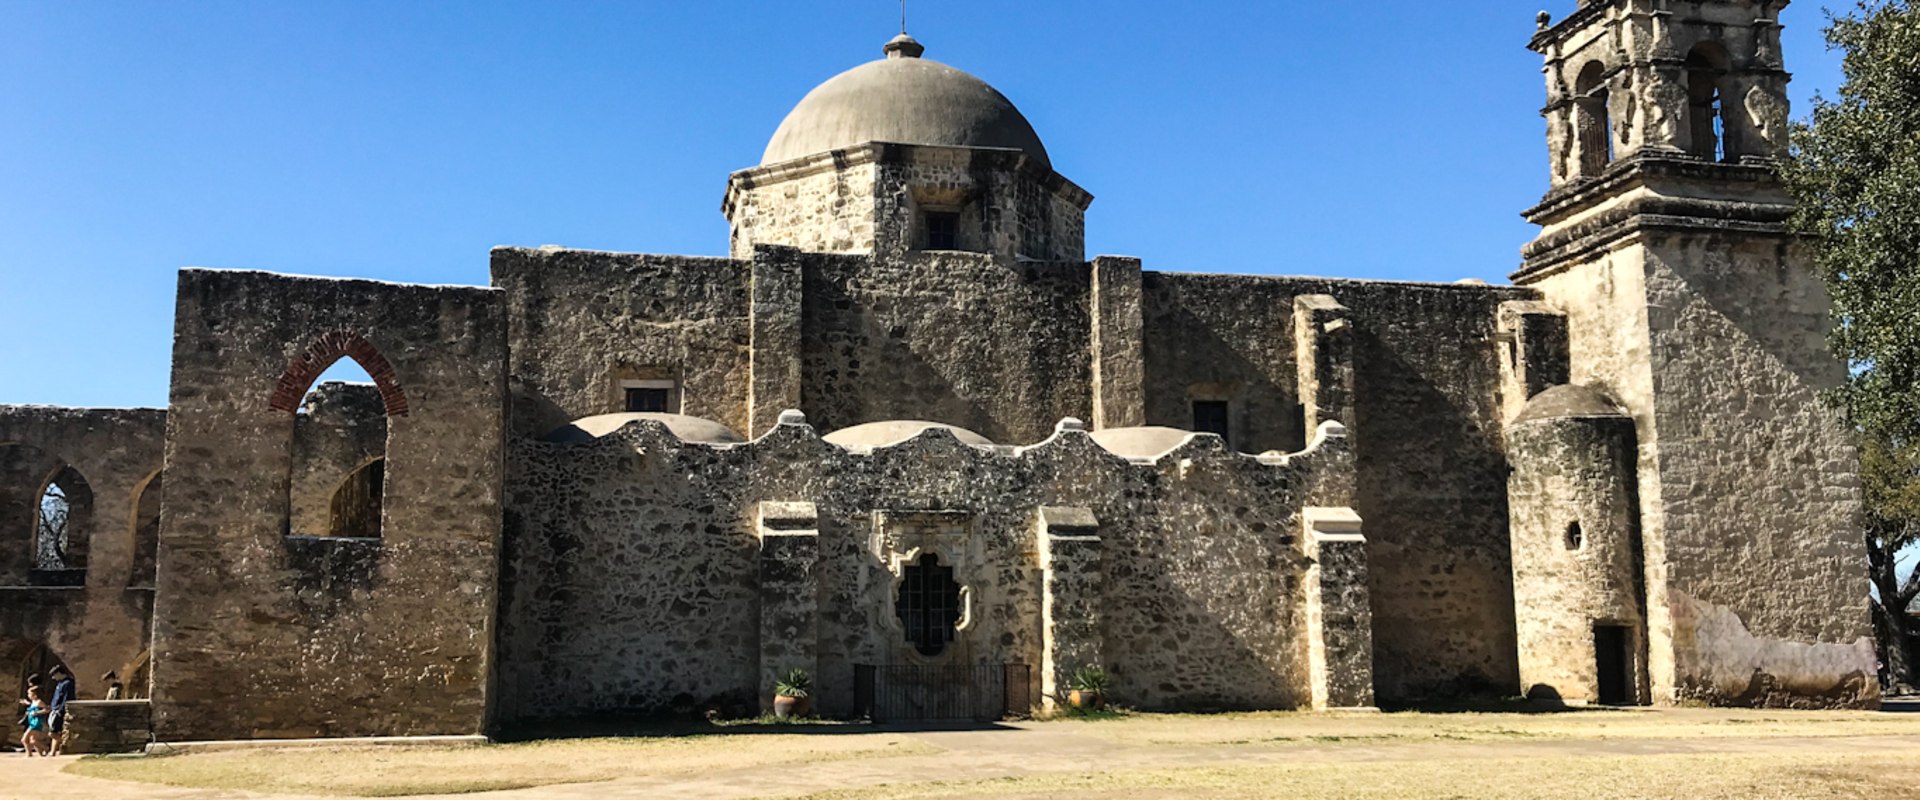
x=1593, y=128
x=146, y=533
x=1707, y=68
x=62, y=522
x=355, y=508
x=928, y=605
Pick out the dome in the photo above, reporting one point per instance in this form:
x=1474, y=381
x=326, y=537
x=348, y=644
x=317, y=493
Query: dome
x=906, y=99
x=1141, y=442
x=892, y=432
x=689, y=429
x=1568, y=401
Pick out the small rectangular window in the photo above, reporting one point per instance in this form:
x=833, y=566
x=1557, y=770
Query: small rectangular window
x=943, y=230
x=648, y=401
x=1210, y=416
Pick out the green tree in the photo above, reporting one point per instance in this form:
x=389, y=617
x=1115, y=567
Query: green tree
x=1855, y=172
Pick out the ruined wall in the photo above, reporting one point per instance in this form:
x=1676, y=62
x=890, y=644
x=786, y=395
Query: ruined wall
x=1001, y=348
x=102, y=619
x=632, y=568
x=581, y=321
x=252, y=625
x=1427, y=434
x=340, y=429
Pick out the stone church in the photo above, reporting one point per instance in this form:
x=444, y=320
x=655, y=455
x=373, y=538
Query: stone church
x=908, y=437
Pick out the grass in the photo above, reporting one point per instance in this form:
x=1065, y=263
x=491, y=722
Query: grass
x=1696, y=777
x=1692, y=753
x=398, y=772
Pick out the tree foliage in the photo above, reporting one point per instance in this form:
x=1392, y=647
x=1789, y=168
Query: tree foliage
x=1855, y=173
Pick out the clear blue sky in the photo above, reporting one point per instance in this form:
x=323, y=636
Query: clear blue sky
x=395, y=140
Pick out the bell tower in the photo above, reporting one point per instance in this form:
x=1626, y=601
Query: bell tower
x=1686, y=299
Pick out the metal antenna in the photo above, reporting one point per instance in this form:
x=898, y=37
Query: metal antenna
x=903, y=16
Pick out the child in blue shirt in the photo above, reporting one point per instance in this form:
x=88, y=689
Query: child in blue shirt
x=37, y=740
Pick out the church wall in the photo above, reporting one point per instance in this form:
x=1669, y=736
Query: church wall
x=1759, y=481
x=823, y=206
x=1000, y=348
x=342, y=428
x=102, y=620
x=581, y=321
x=631, y=566
x=1432, y=471
x=252, y=625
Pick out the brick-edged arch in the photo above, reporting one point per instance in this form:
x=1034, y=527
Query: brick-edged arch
x=326, y=349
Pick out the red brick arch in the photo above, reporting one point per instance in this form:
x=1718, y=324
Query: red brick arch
x=326, y=349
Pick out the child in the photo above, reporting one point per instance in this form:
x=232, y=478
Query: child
x=37, y=741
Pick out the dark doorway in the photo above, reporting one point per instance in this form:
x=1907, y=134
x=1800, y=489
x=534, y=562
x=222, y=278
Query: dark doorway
x=1615, y=665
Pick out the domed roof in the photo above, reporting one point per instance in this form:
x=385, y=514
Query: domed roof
x=1566, y=401
x=892, y=432
x=689, y=429
x=1141, y=442
x=906, y=99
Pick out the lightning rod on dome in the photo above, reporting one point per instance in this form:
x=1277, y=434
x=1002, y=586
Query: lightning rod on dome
x=903, y=16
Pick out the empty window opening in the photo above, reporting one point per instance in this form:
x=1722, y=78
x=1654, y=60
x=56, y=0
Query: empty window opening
x=146, y=533
x=943, y=230
x=64, y=514
x=650, y=397
x=928, y=605
x=1613, y=664
x=1592, y=123
x=1706, y=110
x=1212, y=416
x=355, y=508
x=1575, y=538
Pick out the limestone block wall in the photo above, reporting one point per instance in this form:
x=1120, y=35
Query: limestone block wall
x=823, y=204
x=253, y=625
x=1576, y=552
x=998, y=347
x=633, y=574
x=1426, y=400
x=102, y=619
x=581, y=321
x=340, y=429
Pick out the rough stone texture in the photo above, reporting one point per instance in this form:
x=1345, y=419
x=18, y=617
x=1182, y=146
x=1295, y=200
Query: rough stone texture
x=1688, y=303
x=251, y=625
x=1119, y=377
x=341, y=428
x=108, y=726
x=1426, y=429
x=641, y=544
x=789, y=538
x=580, y=322
x=101, y=619
x=1338, y=611
x=1072, y=591
x=1574, y=466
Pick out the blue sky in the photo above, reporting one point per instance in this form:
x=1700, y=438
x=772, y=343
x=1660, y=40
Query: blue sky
x=1389, y=139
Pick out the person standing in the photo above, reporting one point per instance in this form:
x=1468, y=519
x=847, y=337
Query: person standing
x=57, y=706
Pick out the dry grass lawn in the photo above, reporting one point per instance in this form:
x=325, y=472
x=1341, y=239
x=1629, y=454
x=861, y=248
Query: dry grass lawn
x=1678, y=753
x=398, y=772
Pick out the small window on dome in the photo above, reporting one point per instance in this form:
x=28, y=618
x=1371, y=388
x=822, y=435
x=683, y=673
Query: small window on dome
x=943, y=230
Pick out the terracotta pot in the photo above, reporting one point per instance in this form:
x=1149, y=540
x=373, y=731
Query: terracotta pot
x=1086, y=700
x=785, y=707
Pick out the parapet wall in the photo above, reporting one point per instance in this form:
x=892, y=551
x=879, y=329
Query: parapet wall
x=650, y=575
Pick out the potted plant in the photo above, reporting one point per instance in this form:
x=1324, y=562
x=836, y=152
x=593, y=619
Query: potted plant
x=1088, y=688
x=791, y=694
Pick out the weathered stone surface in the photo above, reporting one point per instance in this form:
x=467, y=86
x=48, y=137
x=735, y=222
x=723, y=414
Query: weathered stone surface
x=108, y=726
x=251, y=625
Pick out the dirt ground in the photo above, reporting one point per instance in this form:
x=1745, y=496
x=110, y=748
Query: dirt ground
x=1680, y=753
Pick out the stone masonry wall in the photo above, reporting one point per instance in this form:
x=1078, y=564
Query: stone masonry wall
x=632, y=568
x=101, y=620
x=258, y=634
x=1426, y=431
x=340, y=429
x=581, y=321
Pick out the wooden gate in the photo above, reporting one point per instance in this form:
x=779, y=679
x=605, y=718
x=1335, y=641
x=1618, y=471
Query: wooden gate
x=952, y=693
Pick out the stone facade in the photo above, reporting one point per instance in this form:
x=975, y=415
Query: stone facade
x=1611, y=482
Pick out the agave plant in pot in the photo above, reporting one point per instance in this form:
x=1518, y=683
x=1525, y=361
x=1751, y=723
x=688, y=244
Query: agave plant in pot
x=1088, y=688
x=792, y=694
